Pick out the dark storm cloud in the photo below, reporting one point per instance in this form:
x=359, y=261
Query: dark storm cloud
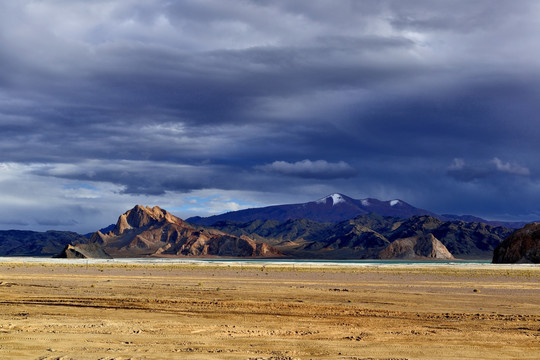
x=319, y=169
x=158, y=178
x=145, y=177
x=372, y=98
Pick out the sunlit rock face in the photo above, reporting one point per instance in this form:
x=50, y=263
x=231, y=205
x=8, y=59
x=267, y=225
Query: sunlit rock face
x=145, y=231
x=417, y=247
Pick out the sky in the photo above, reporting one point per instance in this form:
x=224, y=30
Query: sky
x=208, y=106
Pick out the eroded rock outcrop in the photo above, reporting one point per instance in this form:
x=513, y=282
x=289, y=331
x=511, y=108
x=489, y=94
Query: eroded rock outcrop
x=84, y=251
x=416, y=247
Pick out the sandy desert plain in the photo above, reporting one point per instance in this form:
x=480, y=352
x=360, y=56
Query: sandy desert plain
x=124, y=310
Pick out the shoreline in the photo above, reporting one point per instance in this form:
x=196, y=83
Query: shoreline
x=288, y=263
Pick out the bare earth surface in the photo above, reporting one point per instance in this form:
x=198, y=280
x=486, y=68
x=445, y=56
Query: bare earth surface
x=194, y=311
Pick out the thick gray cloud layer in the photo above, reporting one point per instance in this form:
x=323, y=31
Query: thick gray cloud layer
x=261, y=102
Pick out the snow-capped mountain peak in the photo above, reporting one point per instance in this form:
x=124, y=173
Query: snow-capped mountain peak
x=332, y=208
x=336, y=199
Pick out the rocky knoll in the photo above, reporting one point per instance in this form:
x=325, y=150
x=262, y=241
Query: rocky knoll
x=522, y=246
x=83, y=251
x=145, y=231
x=415, y=248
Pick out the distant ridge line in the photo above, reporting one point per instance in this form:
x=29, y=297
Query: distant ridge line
x=338, y=207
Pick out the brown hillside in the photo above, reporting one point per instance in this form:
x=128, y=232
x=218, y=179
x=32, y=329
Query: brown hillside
x=145, y=231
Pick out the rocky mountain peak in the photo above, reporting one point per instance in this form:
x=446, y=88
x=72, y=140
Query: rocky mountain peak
x=142, y=217
x=334, y=199
x=152, y=231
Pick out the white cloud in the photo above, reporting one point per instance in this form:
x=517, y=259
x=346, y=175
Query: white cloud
x=510, y=168
x=457, y=164
x=459, y=169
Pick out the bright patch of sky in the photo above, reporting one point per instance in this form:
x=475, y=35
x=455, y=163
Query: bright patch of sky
x=210, y=205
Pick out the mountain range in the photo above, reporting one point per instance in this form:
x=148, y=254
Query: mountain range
x=338, y=207
x=144, y=231
x=365, y=236
x=333, y=227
